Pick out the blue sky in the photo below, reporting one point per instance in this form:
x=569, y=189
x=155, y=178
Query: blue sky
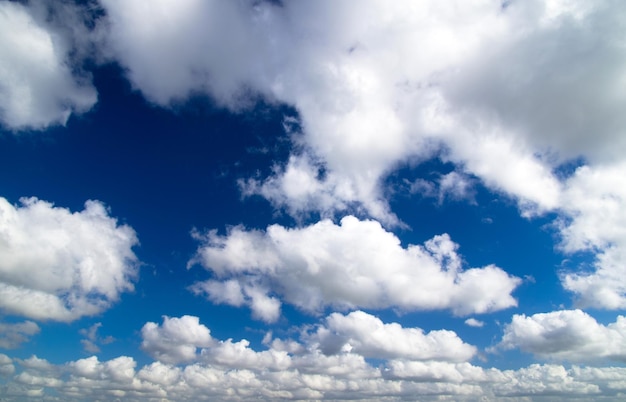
x=243, y=200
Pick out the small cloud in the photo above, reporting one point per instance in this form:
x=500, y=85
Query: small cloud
x=90, y=344
x=13, y=335
x=472, y=322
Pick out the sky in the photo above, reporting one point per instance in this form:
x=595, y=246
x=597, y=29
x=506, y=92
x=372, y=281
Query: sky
x=312, y=200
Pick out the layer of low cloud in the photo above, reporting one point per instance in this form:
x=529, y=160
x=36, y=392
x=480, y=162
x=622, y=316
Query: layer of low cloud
x=61, y=265
x=571, y=335
x=290, y=370
x=354, y=264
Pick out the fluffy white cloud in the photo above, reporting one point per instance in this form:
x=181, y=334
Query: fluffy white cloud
x=483, y=76
x=595, y=198
x=505, y=91
x=62, y=265
x=12, y=335
x=354, y=264
x=572, y=335
x=328, y=378
x=38, y=84
x=367, y=335
x=176, y=340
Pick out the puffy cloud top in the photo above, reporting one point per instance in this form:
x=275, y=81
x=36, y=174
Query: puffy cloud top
x=367, y=335
x=568, y=334
x=58, y=265
x=354, y=264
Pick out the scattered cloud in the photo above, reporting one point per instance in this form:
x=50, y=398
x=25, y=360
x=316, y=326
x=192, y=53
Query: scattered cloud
x=61, y=265
x=93, y=339
x=350, y=265
x=12, y=335
x=364, y=334
x=571, y=335
x=595, y=198
x=176, y=340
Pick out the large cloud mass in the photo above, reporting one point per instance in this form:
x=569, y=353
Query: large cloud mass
x=39, y=86
x=354, y=264
x=58, y=265
x=507, y=91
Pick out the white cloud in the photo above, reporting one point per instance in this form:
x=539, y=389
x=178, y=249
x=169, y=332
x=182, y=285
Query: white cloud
x=233, y=370
x=320, y=377
x=176, y=340
x=366, y=335
x=571, y=335
x=38, y=85
x=507, y=92
x=239, y=355
x=368, y=100
x=473, y=322
x=595, y=199
x=354, y=264
x=59, y=265
x=12, y=335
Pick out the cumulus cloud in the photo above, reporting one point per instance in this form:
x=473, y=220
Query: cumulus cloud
x=354, y=264
x=176, y=340
x=571, y=335
x=61, y=265
x=39, y=85
x=334, y=378
x=595, y=198
x=368, y=100
x=12, y=335
x=410, y=363
x=507, y=92
x=368, y=336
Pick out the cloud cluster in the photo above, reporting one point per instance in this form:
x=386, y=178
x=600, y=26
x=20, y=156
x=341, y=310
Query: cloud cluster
x=228, y=370
x=61, y=265
x=507, y=92
x=571, y=335
x=176, y=340
x=354, y=264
